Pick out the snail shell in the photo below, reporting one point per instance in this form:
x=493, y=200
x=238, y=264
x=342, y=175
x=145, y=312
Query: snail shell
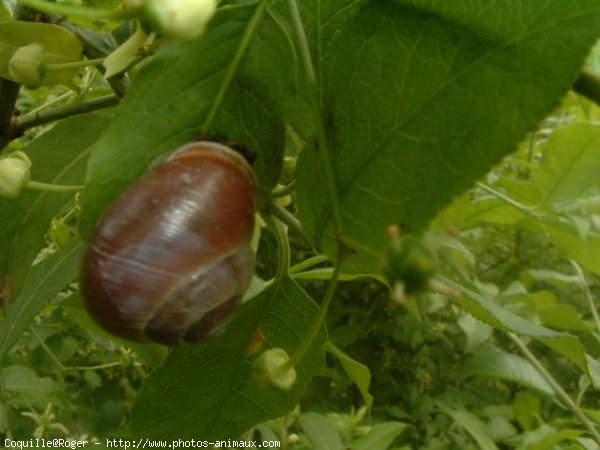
x=170, y=260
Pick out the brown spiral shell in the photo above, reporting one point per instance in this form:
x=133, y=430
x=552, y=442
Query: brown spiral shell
x=170, y=260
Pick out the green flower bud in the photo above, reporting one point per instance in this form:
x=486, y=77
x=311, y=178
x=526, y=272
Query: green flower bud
x=407, y=264
x=270, y=370
x=14, y=174
x=27, y=66
x=179, y=19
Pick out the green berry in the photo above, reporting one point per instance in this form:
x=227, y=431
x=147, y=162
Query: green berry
x=14, y=174
x=179, y=19
x=270, y=370
x=27, y=66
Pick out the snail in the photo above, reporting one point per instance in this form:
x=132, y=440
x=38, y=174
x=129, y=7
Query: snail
x=170, y=260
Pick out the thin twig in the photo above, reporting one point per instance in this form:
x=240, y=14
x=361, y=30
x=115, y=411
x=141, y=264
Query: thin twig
x=588, y=294
x=21, y=124
x=285, y=216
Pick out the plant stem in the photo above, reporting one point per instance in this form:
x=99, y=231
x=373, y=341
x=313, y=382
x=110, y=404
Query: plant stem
x=234, y=64
x=81, y=12
x=52, y=102
x=284, y=190
x=283, y=244
x=20, y=124
x=588, y=85
x=562, y=394
x=323, y=148
x=588, y=294
x=319, y=320
x=506, y=199
x=283, y=431
x=355, y=245
x=74, y=65
x=308, y=263
x=99, y=366
x=9, y=91
x=49, y=352
x=52, y=187
x=285, y=216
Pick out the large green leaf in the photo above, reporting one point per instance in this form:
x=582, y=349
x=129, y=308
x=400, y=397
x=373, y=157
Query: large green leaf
x=45, y=280
x=423, y=97
x=571, y=163
x=58, y=156
x=207, y=391
x=224, y=83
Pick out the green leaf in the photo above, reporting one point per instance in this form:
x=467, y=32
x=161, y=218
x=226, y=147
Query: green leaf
x=60, y=46
x=565, y=236
x=207, y=391
x=486, y=310
x=526, y=407
x=213, y=85
x=322, y=22
x=381, y=436
x=464, y=213
x=119, y=59
x=475, y=331
x=507, y=366
x=4, y=12
x=26, y=388
x=570, y=165
x=58, y=157
x=45, y=280
x=562, y=316
x=420, y=99
x=320, y=431
x=594, y=370
x=594, y=414
x=358, y=373
x=555, y=439
x=523, y=192
x=474, y=426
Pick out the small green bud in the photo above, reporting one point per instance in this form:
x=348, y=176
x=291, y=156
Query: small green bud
x=407, y=264
x=179, y=19
x=14, y=174
x=270, y=370
x=27, y=66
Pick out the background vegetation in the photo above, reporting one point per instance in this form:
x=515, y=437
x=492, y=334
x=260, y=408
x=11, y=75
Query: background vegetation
x=470, y=126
